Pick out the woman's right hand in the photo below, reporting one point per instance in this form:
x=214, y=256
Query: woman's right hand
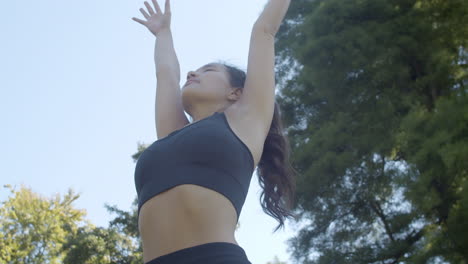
x=156, y=22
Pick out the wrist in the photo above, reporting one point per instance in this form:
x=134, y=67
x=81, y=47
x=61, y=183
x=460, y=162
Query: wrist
x=164, y=31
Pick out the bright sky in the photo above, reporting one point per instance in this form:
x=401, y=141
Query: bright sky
x=78, y=85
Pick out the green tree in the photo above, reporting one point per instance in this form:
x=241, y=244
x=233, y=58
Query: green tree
x=98, y=245
x=126, y=223
x=34, y=228
x=374, y=101
x=436, y=144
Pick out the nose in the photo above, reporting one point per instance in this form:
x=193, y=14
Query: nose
x=191, y=74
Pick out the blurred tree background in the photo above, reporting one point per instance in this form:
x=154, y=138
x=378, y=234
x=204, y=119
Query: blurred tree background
x=374, y=99
x=36, y=229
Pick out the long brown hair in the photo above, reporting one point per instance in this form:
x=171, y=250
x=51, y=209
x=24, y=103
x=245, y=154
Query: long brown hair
x=277, y=177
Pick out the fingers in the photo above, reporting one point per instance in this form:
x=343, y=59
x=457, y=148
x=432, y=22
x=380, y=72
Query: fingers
x=157, y=7
x=167, y=8
x=151, y=11
x=139, y=21
x=144, y=13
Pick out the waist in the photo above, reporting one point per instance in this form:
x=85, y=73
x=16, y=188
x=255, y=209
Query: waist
x=219, y=252
x=164, y=224
x=184, y=216
x=165, y=231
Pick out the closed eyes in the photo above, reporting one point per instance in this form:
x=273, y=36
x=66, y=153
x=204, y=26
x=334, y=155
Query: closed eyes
x=203, y=71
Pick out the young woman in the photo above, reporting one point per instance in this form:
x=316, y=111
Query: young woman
x=192, y=182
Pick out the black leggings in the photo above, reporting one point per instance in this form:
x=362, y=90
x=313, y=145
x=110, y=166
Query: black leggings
x=210, y=253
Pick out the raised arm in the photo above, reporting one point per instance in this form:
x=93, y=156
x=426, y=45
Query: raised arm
x=258, y=96
x=272, y=15
x=169, y=112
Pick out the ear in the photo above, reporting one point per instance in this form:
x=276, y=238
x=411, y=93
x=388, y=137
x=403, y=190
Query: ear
x=235, y=94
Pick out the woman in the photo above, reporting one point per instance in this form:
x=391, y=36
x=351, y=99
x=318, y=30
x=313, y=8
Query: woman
x=192, y=182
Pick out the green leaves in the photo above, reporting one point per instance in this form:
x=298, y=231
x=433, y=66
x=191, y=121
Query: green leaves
x=100, y=245
x=374, y=93
x=36, y=229
x=437, y=144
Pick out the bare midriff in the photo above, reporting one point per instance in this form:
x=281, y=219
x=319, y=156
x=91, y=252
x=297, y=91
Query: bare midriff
x=185, y=216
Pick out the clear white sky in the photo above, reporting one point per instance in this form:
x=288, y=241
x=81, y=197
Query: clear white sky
x=77, y=93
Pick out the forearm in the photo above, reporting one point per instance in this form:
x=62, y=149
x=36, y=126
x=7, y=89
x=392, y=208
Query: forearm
x=272, y=16
x=164, y=53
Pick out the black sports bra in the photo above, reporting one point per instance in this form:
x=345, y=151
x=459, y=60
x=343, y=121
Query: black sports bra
x=206, y=153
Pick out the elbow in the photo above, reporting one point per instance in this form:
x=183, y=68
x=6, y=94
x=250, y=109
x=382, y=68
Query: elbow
x=263, y=28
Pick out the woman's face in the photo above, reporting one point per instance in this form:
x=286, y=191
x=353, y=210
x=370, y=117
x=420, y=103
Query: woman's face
x=211, y=85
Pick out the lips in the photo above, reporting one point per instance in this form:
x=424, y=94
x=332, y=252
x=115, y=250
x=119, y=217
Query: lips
x=189, y=82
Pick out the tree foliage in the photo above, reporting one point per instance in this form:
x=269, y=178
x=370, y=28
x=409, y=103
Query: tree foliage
x=374, y=98
x=36, y=229
x=95, y=245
